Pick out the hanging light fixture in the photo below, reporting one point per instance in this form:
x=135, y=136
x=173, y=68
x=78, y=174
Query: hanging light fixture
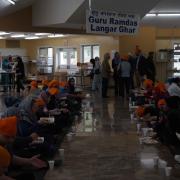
x=12, y=2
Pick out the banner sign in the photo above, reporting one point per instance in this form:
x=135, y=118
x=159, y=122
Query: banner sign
x=105, y=22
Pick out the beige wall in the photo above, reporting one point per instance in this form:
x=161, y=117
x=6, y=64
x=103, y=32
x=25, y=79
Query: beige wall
x=107, y=44
x=145, y=39
x=2, y=43
x=148, y=38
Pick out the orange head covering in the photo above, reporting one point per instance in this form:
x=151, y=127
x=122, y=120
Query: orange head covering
x=137, y=50
x=39, y=102
x=160, y=87
x=148, y=83
x=139, y=111
x=34, y=84
x=125, y=57
x=45, y=82
x=62, y=84
x=5, y=158
x=53, y=83
x=161, y=103
x=8, y=126
x=53, y=91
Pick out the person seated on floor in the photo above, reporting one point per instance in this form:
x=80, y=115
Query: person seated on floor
x=52, y=93
x=12, y=101
x=148, y=85
x=5, y=159
x=173, y=123
x=162, y=116
x=174, y=89
x=34, y=90
x=71, y=90
x=160, y=92
x=140, y=112
x=8, y=131
x=63, y=86
x=71, y=86
x=19, y=142
x=29, y=129
x=45, y=85
x=150, y=116
x=52, y=99
x=53, y=84
x=28, y=122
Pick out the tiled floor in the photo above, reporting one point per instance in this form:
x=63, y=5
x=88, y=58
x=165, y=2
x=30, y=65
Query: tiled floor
x=106, y=147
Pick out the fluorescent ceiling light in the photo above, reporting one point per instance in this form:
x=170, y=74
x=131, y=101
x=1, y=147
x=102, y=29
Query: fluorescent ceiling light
x=150, y=15
x=55, y=35
x=18, y=36
x=170, y=14
x=32, y=37
x=3, y=33
x=12, y=2
x=41, y=34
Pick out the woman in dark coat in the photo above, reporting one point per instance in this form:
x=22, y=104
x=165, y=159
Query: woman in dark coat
x=150, y=67
x=20, y=74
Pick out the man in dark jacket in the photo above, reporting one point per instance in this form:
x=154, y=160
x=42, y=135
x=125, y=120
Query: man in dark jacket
x=115, y=62
x=150, y=67
x=140, y=67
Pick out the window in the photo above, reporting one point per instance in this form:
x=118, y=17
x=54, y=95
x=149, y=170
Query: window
x=66, y=58
x=89, y=52
x=176, y=65
x=45, y=59
x=47, y=54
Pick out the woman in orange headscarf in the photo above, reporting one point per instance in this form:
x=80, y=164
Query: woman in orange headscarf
x=34, y=90
x=8, y=129
x=53, y=84
x=140, y=111
x=161, y=103
x=160, y=92
x=148, y=85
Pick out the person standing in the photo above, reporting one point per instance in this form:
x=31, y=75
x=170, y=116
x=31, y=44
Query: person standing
x=106, y=73
x=20, y=74
x=140, y=66
x=115, y=62
x=96, y=84
x=125, y=70
x=5, y=75
x=133, y=68
x=150, y=67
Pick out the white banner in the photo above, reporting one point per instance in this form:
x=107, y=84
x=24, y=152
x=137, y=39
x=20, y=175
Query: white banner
x=105, y=22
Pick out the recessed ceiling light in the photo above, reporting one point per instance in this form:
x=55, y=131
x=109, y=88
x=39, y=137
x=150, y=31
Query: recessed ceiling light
x=32, y=37
x=41, y=34
x=170, y=14
x=18, y=36
x=12, y=2
x=55, y=35
x=3, y=33
x=150, y=15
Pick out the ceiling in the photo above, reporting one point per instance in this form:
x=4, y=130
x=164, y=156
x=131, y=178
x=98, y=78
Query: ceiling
x=7, y=8
x=71, y=14
x=164, y=6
